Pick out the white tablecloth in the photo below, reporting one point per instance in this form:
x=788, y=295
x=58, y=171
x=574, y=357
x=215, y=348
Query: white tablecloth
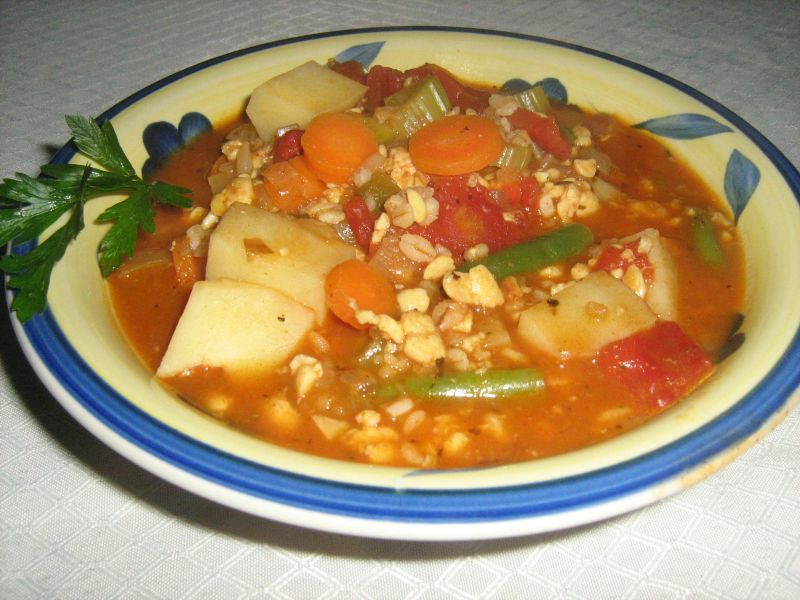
x=79, y=521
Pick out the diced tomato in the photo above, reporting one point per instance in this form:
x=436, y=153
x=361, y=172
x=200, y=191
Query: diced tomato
x=468, y=217
x=615, y=257
x=518, y=195
x=361, y=221
x=288, y=145
x=521, y=190
x=382, y=82
x=352, y=69
x=291, y=184
x=659, y=365
x=459, y=94
x=544, y=131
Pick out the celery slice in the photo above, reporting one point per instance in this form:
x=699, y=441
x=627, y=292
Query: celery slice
x=534, y=98
x=377, y=190
x=418, y=105
x=515, y=156
x=383, y=132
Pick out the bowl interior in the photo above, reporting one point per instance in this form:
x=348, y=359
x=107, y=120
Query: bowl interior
x=770, y=227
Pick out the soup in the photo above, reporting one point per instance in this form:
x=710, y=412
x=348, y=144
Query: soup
x=505, y=279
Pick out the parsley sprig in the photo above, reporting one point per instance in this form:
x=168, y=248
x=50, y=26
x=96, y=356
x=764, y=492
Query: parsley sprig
x=28, y=206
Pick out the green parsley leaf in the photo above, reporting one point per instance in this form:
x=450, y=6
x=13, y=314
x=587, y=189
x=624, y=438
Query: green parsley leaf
x=99, y=144
x=30, y=206
x=30, y=273
x=128, y=216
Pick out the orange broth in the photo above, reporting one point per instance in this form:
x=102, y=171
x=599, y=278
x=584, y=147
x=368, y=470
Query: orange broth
x=581, y=405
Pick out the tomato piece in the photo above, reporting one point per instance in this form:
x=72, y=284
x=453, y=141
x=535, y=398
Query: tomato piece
x=361, y=221
x=544, y=131
x=519, y=197
x=659, y=365
x=522, y=191
x=459, y=94
x=381, y=82
x=615, y=257
x=288, y=145
x=291, y=184
x=468, y=217
x=352, y=69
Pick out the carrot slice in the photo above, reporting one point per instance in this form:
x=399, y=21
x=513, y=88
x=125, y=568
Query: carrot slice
x=335, y=145
x=354, y=283
x=456, y=145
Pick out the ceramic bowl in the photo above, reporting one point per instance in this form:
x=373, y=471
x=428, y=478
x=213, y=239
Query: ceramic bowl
x=77, y=350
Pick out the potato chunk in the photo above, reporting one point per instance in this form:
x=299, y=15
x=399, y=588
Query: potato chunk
x=585, y=316
x=299, y=95
x=292, y=256
x=661, y=291
x=662, y=294
x=239, y=326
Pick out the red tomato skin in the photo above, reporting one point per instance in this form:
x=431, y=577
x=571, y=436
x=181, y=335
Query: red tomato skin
x=361, y=221
x=522, y=193
x=611, y=258
x=544, y=131
x=288, y=145
x=659, y=365
x=459, y=94
x=467, y=217
x=381, y=82
x=352, y=69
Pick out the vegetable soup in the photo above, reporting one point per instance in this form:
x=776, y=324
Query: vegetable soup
x=399, y=268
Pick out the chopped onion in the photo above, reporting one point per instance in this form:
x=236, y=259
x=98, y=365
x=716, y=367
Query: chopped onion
x=284, y=130
x=604, y=191
x=218, y=181
x=399, y=407
x=601, y=158
x=331, y=428
x=144, y=259
x=244, y=160
x=198, y=240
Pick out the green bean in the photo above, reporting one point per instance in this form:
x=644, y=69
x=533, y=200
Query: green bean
x=705, y=239
x=498, y=383
x=534, y=254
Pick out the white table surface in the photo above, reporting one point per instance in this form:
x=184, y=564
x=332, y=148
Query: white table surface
x=79, y=521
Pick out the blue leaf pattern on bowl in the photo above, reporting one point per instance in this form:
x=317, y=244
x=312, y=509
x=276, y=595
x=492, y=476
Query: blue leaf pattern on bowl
x=741, y=180
x=193, y=124
x=514, y=86
x=553, y=87
x=162, y=139
x=685, y=126
x=363, y=53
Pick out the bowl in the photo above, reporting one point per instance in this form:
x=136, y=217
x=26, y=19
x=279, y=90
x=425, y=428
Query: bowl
x=80, y=355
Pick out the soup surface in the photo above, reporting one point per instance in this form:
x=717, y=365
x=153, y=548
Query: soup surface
x=502, y=283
